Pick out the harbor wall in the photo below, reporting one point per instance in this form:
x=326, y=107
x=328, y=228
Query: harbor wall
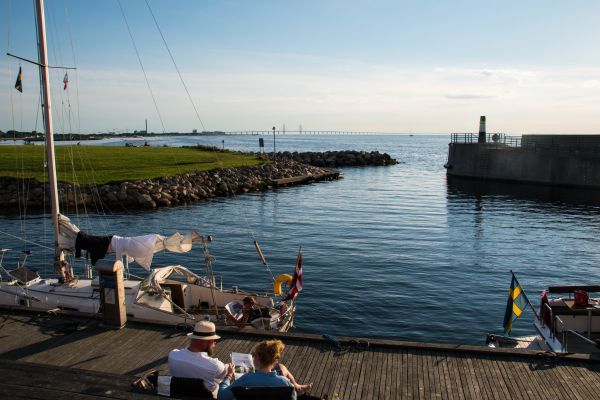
x=543, y=165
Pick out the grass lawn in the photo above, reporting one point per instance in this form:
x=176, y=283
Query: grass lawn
x=103, y=164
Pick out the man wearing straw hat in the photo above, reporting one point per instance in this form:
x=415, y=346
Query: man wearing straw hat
x=197, y=361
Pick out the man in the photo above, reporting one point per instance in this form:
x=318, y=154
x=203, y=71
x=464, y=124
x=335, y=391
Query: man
x=197, y=361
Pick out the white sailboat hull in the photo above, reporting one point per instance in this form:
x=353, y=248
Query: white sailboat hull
x=176, y=303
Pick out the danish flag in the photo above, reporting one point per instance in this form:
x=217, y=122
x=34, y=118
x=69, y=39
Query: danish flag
x=296, y=285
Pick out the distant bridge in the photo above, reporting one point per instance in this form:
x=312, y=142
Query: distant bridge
x=303, y=132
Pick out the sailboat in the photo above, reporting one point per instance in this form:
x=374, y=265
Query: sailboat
x=170, y=295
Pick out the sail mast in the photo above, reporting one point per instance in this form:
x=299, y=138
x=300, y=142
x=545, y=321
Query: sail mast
x=47, y=112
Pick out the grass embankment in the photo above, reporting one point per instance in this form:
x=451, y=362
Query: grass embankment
x=104, y=164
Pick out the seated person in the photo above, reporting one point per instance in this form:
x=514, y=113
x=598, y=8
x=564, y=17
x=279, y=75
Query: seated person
x=265, y=355
x=283, y=371
x=196, y=360
x=250, y=312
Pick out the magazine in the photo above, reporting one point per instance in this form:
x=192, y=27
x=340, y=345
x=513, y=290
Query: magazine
x=243, y=363
x=235, y=308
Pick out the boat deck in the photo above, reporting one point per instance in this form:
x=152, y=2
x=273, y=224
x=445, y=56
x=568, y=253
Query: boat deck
x=383, y=370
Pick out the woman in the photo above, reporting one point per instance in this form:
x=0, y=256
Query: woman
x=265, y=355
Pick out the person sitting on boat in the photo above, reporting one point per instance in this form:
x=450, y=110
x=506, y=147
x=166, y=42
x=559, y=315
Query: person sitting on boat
x=265, y=355
x=250, y=310
x=197, y=361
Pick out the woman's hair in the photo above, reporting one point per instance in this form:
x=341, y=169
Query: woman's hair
x=249, y=300
x=268, y=352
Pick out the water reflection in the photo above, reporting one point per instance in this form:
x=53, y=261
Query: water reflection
x=543, y=194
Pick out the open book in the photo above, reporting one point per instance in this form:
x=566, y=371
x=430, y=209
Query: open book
x=243, y=363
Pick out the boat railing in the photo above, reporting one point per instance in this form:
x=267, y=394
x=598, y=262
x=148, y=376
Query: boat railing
x=555, y=321
x=576, y=147
x=579, y=336
x=498, y=139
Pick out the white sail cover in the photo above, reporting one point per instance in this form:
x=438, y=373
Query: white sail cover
x=141, y=249
x=67, y=233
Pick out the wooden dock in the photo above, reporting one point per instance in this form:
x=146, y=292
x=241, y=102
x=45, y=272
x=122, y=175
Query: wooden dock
x=93, y=362
x=303, y=179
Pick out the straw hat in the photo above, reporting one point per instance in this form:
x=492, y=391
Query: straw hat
x=205, y=330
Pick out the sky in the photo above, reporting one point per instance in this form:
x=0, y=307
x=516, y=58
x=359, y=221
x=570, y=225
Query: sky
x=370, y=66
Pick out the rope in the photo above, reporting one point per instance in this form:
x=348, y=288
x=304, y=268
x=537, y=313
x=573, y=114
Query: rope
x=549, y=357
x=142, y=66
x=175, y=65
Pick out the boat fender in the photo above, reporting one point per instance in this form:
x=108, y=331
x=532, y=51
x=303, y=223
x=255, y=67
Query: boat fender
x=336, y=343
x=279, y=281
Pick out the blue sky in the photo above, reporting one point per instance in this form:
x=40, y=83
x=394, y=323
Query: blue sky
x=385, y=66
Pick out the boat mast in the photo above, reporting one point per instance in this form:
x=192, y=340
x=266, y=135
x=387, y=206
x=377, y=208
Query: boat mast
x=47, y=113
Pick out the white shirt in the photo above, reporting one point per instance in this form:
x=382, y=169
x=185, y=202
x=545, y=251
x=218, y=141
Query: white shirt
x=187, y=364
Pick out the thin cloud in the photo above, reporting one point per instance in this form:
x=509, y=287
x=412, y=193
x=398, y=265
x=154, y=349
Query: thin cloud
x=467, y=96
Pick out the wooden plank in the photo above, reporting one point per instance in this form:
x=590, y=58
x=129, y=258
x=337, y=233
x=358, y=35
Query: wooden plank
x=468, y=370
x=388, y=383
x=484, y=377
x=454, y=377
x=324, y=373
x=517, y=369
x=442, y=369
x=413, y=375
x=582, y=376
x=311, y=360
x=434, y=376
x=403, y=377
x=560, y=374
x=354, y=373
x=373, y=371
x=337, y=370
x=66, y=381
x=8, y=391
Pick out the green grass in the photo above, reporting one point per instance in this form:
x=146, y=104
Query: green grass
x=103, y=164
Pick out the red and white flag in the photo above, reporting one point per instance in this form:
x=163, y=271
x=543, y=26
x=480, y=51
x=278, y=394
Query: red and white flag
x=296, y=285
x=65, y=81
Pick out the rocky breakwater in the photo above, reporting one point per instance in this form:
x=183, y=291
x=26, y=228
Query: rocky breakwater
x=344, y=158
x=160, y=192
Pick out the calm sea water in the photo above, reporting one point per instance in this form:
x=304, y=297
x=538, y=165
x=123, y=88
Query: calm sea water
x=394, y=252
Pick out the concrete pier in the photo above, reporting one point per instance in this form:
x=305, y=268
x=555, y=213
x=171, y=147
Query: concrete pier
x=563, y=160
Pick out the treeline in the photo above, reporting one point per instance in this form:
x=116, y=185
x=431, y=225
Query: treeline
x=38, y=136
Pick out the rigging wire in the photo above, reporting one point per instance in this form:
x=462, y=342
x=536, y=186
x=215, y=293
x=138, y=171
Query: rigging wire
x=175, y=65
x=142, y=66
x=75, y=65
x=26, y=240
x=219, y=159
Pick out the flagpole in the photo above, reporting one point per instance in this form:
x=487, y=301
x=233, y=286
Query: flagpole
x=526, y=298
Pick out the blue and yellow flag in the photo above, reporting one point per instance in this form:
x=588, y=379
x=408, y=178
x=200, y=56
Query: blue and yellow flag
x=19, y=84
x=517, y=301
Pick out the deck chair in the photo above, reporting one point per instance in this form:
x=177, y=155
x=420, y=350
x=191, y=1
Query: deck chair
x=263, y=393
x=182, y=388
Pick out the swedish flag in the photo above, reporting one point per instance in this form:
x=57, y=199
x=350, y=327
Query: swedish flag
x=19, y=83
x=516, y=303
